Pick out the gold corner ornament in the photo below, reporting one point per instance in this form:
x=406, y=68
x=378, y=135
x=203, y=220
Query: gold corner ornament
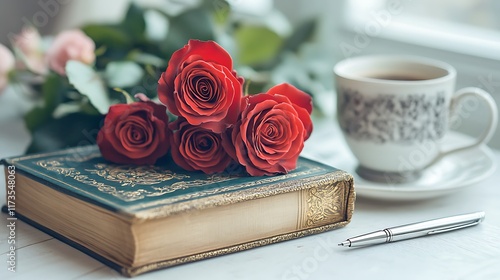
x=325, y=204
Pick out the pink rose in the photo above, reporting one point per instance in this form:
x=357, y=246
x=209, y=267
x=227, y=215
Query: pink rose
x=7, y=63
x=201, y=86
x=197, y=148
x=70, y=45
x=270, y=135
x=29, y=43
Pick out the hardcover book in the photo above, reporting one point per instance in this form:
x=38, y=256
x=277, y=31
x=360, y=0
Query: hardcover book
x=140, y=218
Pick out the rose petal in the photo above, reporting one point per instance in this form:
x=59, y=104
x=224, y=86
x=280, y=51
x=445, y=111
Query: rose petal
x=199, y=149
x=295, y=95
x=200, y=85
x=270, y=135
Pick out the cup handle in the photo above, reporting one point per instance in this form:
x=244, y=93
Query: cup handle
x=488, y=132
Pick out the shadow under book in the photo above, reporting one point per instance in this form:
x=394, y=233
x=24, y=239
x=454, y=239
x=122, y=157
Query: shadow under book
x=137, y=219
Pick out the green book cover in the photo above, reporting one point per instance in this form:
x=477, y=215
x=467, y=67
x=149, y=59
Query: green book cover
x=142, y=193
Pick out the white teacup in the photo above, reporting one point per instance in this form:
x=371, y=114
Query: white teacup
x=394, y=111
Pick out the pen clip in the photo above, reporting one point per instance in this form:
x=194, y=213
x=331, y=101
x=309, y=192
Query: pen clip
x=454, y=227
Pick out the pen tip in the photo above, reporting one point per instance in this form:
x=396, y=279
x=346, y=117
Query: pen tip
x=345, y=243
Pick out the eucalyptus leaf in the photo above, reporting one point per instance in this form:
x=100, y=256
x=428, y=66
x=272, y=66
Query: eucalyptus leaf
x=108, y=35
x=257, y=44
x=134, y=22
x=122, y=74
x=53, y=90
x=221, y=11
x=89, y=83
x=146, y=58
x=156, y=25
x=301, y=34
x=72, y=130
x=192, y=24
x=65, y=109
x=36, y=117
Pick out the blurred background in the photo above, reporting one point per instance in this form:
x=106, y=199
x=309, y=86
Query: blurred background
x=297, y=41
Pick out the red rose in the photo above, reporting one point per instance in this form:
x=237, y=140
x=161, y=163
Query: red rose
x=271, y=132
x=201, y=86
x=135, y=133
x=301, y=101
x=197, y=148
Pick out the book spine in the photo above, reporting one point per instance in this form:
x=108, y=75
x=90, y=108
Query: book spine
x=317, y=206
x=327, y=202
x=325, y=206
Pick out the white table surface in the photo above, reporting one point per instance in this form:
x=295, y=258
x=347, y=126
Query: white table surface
x=472, y=253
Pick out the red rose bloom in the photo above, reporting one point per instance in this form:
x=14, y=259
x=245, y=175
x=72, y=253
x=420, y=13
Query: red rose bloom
x=197, y=148
x=301, y=101
x=270, y=135
x=135, y=133
x=201, y=86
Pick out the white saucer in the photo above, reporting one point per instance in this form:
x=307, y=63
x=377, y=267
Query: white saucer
x=449, y=175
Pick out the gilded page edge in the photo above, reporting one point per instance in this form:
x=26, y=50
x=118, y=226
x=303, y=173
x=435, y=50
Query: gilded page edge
x=130, y=272
x=350, y=194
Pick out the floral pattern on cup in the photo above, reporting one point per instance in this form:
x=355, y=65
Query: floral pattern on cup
x=392, y=118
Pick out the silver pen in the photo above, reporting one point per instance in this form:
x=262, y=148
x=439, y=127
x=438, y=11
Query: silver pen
x=415, y=230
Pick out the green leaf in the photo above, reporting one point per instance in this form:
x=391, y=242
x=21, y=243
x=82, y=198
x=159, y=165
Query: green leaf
x=127, y=96
x=302, y=33
x=88, y=83
x=75, y=129
x=192, y=24
x=146, y=58
x=36, y=117
x=156, y=25
x=53, y=91
x=257, y=44
x=108, y=35
x=66, y=108
x=123, y=74
x=134, y=22
x=100, y=51
x=221, y=11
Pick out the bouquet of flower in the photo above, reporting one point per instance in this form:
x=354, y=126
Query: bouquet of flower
x=216, y=124
x=73, y=82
